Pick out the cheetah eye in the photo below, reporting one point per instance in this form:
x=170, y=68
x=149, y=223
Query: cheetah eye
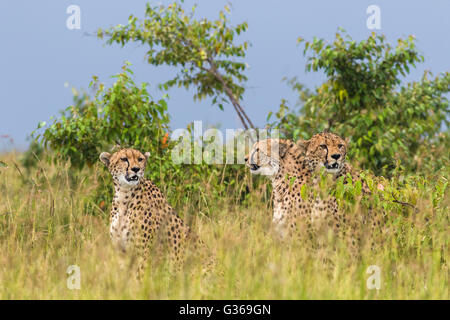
x=140, y=159
x=124, y=159
x=340, y=146
x=323, y=146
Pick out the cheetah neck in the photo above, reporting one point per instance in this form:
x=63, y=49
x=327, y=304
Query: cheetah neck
x=120, y=223
x=122, y=197
x=123, y=193
x=343, y=170
x=281, y=187
x=293, y=168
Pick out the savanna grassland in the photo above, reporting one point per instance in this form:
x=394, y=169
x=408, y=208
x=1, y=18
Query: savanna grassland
x=50, y=220
x=55, y=197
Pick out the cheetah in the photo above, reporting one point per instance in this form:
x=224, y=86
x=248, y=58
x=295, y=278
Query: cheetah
x=141, y=218
x=290, y=166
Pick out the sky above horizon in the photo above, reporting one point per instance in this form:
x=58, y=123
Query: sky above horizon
x=39, y=55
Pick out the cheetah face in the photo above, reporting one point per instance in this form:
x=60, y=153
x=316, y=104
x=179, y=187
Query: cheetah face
x=264, y=156
x=326, y=150
x=127, y=166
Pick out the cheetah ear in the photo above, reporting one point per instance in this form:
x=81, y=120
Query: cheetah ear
x=104, y=157
x=303, y=145
x=147, y=155
x=347, y=140
x=283, y=147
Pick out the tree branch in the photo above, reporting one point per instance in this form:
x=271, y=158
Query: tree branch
x=240, y=111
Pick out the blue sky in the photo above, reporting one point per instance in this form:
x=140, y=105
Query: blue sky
x=39, y=54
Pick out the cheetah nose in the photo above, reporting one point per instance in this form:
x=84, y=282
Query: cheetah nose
x=135, y=169
x=336, y=156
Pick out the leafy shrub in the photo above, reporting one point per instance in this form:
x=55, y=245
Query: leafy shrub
x=31, y=156
x=363, y=99
x=205, y=52
x=126, y=115
x=123, y=114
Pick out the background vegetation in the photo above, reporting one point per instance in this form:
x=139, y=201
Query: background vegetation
x=45, y=227
x=364, y=99
x=55, y=198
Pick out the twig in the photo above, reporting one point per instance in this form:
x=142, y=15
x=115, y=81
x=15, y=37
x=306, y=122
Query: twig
x=240, y=111
x=401, y=202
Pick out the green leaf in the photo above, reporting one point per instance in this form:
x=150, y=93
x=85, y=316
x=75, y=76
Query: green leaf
x=41, y=124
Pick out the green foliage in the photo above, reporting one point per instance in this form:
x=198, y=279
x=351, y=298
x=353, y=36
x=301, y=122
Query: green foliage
x=363, y=99
x=48, y=229
x=204, y=51
x=31, y=156
x=123, y=114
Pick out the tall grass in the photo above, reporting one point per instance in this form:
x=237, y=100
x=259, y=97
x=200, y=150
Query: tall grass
x=49, y=221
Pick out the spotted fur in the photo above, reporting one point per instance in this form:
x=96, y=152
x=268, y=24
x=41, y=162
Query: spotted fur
x=141, y=219
x=290, y=166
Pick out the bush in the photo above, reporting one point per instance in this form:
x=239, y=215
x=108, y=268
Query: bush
x=123, y=114
x=126, y=115
x=205, y=53
x=363, y=99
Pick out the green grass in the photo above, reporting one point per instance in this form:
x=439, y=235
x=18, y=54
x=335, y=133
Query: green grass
x=49, y=221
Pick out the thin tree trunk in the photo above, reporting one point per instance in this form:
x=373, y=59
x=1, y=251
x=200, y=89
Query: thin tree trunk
x=240, y=111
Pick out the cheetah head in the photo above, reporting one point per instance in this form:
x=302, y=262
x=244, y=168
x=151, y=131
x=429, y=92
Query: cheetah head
x=265, y=155
x=326, y=150
x=126, y=166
